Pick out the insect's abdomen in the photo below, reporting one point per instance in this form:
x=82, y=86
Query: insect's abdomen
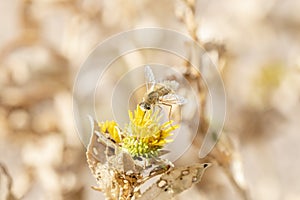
x=163, y=91
x=154, y=96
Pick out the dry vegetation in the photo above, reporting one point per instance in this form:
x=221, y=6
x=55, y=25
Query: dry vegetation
x=255, y=45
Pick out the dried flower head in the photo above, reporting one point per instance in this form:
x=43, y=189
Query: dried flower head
x=144, y=135
x=120, y=177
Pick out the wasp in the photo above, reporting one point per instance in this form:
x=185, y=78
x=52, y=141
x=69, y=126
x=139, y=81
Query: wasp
x=162, y=93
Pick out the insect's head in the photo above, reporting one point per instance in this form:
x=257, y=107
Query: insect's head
x=145, y=106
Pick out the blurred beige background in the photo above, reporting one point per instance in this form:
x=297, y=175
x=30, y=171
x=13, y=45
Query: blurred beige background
x=44, y=42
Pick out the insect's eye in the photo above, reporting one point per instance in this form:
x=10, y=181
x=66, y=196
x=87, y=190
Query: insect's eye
x=143, y=106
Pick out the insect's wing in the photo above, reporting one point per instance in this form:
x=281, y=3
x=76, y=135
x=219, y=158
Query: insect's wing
x=175, y=181
x=173, y=99
x=150, y=78
x=173, y=85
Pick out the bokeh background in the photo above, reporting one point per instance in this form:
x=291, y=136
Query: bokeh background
x=44, y=42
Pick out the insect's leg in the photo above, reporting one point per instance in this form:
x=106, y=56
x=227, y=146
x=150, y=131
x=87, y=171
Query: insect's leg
x=170, y=111
x=160, y=108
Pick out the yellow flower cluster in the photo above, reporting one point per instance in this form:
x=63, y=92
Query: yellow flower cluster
x=143, y=136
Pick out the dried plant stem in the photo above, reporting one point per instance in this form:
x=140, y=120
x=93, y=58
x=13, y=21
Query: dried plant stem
x=189, y=20
x=242, y=192
x=6, y=178
x=203, y=103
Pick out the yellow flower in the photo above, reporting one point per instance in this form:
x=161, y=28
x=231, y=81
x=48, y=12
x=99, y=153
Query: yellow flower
x=111, y=128
x=144, y=135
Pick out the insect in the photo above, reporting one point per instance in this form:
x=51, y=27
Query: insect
x=162, y=93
